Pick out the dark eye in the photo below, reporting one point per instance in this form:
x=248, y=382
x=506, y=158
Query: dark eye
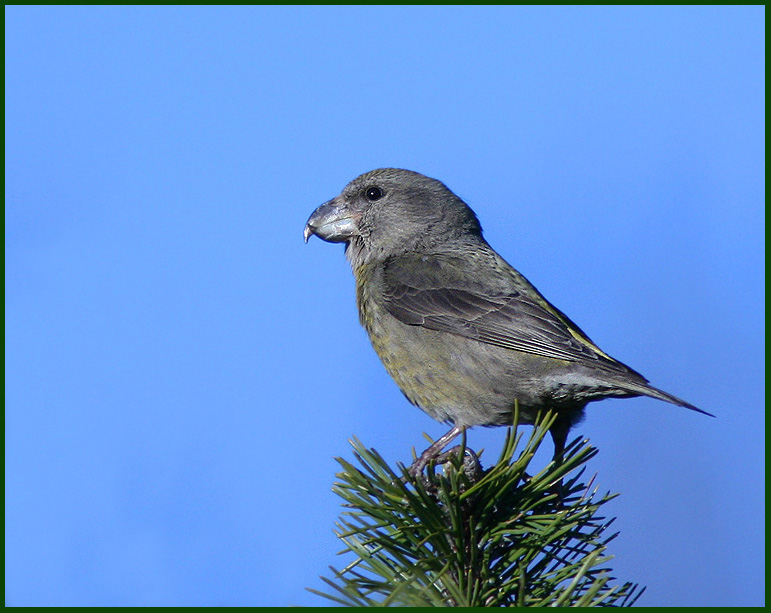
x=373, y=193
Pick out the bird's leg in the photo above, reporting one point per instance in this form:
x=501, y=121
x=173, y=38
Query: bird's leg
x=559, y=434
x=434, y=450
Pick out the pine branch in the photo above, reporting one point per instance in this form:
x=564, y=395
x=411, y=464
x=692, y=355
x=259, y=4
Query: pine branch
x=462, y=536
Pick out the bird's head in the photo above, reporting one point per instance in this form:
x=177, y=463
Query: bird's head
x=390, y=211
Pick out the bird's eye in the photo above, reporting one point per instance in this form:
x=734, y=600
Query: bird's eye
x=373, y=193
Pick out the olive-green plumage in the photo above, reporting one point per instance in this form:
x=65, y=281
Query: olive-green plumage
x=462, y=333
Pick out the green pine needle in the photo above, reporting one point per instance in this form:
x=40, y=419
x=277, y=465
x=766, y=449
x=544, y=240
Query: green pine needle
x=460, y=536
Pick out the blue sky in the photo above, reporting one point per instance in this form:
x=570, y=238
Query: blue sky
x=181, y=369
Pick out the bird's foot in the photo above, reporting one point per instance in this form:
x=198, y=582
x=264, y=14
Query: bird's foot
x=471, y=464
x=433, y=451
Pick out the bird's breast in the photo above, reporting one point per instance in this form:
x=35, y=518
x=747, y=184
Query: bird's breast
x=448, y=376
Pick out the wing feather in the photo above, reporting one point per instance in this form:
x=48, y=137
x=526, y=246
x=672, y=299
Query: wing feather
x=494, y=305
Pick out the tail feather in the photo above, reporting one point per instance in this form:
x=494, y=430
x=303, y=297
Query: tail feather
x=653, y=392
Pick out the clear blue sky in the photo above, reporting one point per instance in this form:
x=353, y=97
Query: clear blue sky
x=181, y=369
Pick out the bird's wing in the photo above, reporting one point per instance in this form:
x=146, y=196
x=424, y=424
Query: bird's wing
x=483, y=298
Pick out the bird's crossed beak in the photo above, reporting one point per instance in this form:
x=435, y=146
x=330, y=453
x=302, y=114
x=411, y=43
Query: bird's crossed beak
x=331, y=222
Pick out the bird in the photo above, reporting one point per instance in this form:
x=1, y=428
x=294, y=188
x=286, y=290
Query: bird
x=465, y=336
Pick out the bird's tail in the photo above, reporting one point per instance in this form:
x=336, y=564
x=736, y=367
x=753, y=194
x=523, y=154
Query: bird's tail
x=653, y=392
